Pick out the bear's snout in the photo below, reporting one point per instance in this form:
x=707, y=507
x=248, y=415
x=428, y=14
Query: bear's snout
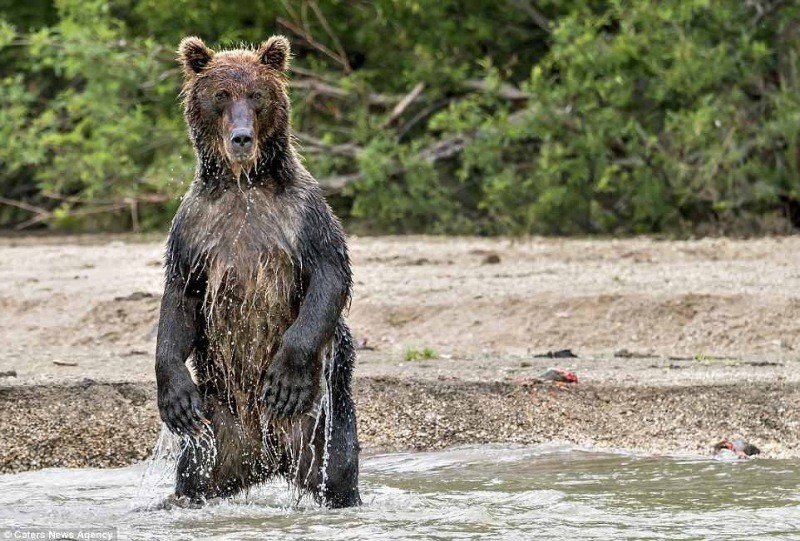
x=242, y=141
x=241, y=137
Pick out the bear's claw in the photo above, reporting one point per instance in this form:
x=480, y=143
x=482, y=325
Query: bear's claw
x=288, y=391
x=180, y=406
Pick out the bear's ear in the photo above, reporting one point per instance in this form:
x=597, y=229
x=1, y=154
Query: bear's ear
x=194, y=55
x=274, y=53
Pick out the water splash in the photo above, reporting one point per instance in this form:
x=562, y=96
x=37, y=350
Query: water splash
x=160, y=470
x=327, y=400
x=203, y=444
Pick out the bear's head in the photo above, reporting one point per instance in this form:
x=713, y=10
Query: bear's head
x=235, y=102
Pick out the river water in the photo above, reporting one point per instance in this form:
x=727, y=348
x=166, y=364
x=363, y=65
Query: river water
x=486, y=492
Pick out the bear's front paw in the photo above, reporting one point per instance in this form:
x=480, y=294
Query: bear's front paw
x=180, y=405
x=290, y=383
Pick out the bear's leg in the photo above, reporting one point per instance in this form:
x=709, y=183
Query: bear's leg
x=341, y=479
x=338, y=487
x=225, y=459
x=195, y=463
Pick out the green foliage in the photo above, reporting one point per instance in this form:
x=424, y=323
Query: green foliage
x=417, y=199
x=84, y=116
x=414, y=354
x=657, y=122
x=536, y=117
x=644, y=117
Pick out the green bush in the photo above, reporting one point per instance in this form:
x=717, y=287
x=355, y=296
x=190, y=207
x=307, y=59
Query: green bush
x=554, y=117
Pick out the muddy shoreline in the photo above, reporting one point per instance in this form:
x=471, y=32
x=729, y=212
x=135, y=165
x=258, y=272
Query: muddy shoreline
x=115, y=424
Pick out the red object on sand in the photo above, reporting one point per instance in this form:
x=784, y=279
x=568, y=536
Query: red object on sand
x=559, y=375
x=742, y=448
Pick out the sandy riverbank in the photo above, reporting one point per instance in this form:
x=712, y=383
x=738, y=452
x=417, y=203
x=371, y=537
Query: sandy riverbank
x=709, y=329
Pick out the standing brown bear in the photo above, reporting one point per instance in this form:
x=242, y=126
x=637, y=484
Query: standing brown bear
x=257, y=276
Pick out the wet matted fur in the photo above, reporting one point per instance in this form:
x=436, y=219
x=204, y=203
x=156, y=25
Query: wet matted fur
x=257, y=276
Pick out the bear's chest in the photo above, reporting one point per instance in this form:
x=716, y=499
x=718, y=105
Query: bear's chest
x=244, y=245
x=242, y=240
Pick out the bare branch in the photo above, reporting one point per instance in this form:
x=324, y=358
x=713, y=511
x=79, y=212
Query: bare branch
x=336, y=43
x=423, y=115
x=318, y=146
x=25, y=206
x=41, y=214
x=164, y=75
x=310, y=73
x=39, y=218
x=308, y=38
x=331, y=91
x=505, y=90
x=446, y=148
x=764, y=9
x=28, y=223
x=319, y=87
x=535, y=15
x=403, y=104
x=335, y=184
x=142, y=198
x=316, y=85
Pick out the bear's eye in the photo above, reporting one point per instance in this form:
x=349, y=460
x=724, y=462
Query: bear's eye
x=256, y=96
x=222, y=95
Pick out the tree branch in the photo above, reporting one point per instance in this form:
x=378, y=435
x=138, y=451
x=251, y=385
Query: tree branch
x=318, y=146
x=25, y=206
x=505, y=90
x=336, y=43
x=402, y=104
x=535, y=15
x=308, y=38
x=41, y=214
x=335, y=184
x=331, y=91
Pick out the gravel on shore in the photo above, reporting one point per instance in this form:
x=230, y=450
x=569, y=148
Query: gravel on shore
x=115, y=424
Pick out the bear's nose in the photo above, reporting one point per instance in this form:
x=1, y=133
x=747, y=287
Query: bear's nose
x=242, y=138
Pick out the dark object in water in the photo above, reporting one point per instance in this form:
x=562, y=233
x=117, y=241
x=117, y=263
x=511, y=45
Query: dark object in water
x=738, y=446
x=64, y=363
x=558, y=354
x=558, y=375
x=8, y=374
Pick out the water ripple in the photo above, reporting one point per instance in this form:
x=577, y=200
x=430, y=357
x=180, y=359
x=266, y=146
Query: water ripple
x=487, y=492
